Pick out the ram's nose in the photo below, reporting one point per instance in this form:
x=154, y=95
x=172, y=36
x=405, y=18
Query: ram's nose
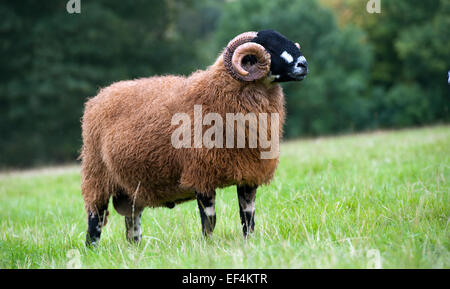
x=301, y=67
x=302, y=63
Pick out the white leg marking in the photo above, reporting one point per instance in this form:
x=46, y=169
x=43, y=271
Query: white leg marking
x=209, y=211
x=137, y=232
x=250, y=207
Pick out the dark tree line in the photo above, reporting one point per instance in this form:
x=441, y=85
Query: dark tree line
x=374, y=71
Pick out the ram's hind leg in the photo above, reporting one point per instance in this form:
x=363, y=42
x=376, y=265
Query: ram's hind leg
x=246, y=196
x=126, y=207
x=96, y=200
x=96, y=193
x=207, y=212
x=97, y=219
x=133, y=226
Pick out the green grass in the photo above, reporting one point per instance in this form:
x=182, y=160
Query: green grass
x=358, y=201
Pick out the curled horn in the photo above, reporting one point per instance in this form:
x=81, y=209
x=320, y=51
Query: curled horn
x=237, y=49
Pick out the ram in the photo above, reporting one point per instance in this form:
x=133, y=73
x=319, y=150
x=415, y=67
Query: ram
x=128, y=152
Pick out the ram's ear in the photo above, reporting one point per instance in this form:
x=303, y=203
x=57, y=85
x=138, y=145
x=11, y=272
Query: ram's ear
x=246, y=60
x=298, y=45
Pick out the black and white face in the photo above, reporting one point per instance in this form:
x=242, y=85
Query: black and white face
x=287, y=61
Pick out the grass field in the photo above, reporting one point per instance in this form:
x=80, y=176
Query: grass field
x=360, y=201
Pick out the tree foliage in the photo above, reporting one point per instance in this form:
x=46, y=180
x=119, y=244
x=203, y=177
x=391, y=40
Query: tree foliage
x=54, y=61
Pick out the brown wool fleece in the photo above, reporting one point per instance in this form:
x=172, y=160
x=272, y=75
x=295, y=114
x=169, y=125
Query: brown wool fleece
x=127, y=131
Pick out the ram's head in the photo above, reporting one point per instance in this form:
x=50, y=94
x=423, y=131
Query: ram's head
x=265, y=54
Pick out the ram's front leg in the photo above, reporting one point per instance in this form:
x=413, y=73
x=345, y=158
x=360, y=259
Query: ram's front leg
x=246, y=196
x=207, y=212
